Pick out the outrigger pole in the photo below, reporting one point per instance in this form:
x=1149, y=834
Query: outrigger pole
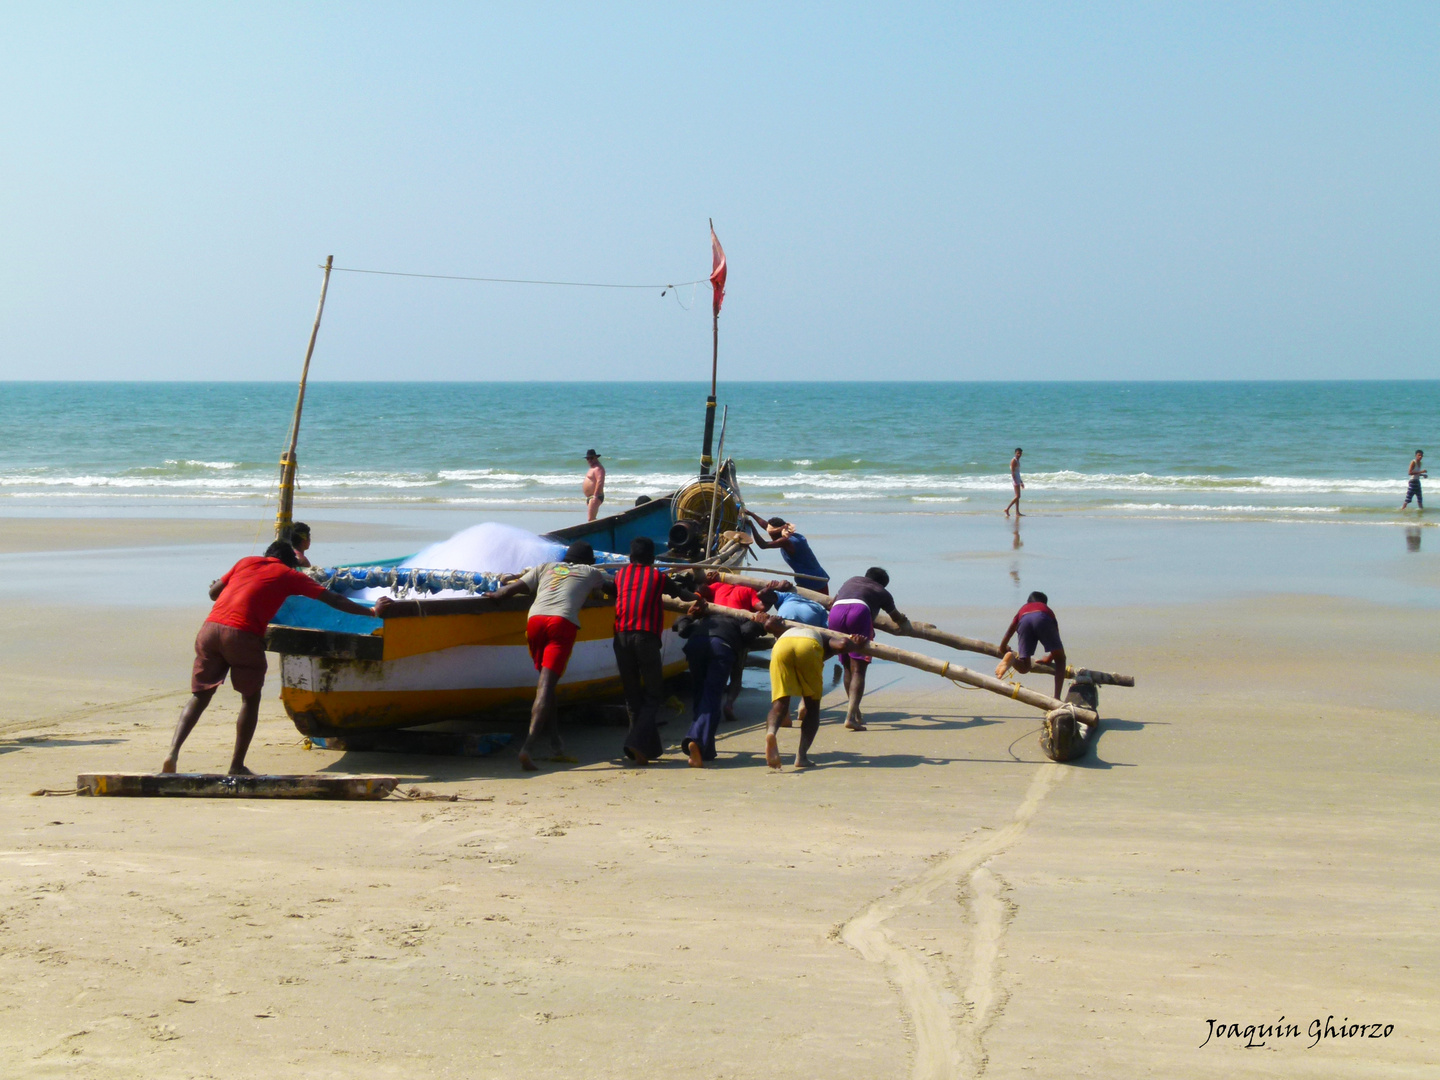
x=284, y=517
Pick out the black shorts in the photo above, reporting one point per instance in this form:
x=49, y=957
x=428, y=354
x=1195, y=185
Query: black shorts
x=1037, y=626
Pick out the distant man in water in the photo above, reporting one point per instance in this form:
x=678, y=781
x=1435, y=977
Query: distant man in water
x=232, y=641
x=560, y=590
x=1017, y=482
x=795, y=550
x=593, y=485
x=639, y=622
x=1417, y=470
x=300, y=541
x=1034, y=624
x=797, y=669
x=853, y=612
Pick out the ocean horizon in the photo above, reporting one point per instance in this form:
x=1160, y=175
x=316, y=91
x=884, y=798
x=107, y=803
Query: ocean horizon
x=1312, y=450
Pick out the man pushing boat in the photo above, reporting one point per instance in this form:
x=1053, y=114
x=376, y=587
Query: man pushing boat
x=232, y=641
x=856, y=604
x=560, y=590
x=1034, y=624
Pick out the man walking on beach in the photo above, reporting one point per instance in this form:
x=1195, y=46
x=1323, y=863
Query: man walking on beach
x=1417, y=470
x=1017, y=482
x=232, y=641
x=1034, y=624
x=593, y=485
x=639, y=622
x=560, y=590
x=795, y=550
x=797, y=669
x=856, y=604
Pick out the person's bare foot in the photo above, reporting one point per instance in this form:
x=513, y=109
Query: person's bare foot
x=855, y=725
x=168, y=765
x=696, y=760
x=527, y=762
x=1007, y=513
x=1001, y=668
x=772, y=751
x=639, y=758
x=803, y=762
x=240, y=770
x=729, y=713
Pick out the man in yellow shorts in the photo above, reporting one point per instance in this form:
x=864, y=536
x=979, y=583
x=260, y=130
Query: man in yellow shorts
x=797, y=666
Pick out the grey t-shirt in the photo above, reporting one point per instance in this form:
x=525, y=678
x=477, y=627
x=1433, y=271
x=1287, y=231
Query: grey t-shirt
x=805, y=632
x=562, y=588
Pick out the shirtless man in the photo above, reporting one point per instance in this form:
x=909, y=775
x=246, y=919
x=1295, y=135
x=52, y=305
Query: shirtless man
x=1019, y=484
x=1417, y=470
x=593, y=486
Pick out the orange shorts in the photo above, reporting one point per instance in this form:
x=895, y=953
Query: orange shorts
x=551, y=639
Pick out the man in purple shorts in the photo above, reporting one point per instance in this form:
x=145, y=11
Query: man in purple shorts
x=853, y=611
x=1034, y=624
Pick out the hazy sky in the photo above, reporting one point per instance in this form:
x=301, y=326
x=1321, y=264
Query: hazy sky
x=952, y=191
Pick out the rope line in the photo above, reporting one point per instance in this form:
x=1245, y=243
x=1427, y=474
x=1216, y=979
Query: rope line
x=520, y=281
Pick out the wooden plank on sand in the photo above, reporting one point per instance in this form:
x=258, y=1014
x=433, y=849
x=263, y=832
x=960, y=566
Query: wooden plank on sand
x=221, y=786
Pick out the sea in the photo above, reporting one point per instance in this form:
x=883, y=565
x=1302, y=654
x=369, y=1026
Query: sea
x=1324, y=451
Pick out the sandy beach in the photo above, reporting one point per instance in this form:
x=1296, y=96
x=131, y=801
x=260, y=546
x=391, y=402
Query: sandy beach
x=1252, y=839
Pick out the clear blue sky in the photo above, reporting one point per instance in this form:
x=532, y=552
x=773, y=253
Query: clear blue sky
x=953, y=191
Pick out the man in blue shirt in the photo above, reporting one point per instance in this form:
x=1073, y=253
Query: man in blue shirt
x=795, y=550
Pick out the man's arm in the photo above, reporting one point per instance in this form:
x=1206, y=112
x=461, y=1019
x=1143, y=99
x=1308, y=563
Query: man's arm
x=339, y=603
x=675, y=588
x=517, y=587
x=891, y=610
x=216, y=588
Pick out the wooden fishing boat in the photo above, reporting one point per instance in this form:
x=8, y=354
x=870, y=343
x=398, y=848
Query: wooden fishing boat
x=342, y=673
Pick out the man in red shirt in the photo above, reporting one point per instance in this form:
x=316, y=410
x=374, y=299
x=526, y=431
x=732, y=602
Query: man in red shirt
x=639, y=622
x=232, y=641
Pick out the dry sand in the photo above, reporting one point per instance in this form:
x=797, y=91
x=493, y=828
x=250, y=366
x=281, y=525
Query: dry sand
x=1255, y=836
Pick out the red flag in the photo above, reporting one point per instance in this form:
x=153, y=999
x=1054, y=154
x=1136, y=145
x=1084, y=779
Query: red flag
x=717, y=275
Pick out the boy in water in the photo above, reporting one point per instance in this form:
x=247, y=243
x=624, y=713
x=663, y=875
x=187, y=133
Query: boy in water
x=1017, y=482
x=1417, y=470
x=1034, y=623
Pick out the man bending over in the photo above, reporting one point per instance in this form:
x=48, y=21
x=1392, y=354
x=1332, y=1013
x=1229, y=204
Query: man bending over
x=1034, y=624
x=232, y=641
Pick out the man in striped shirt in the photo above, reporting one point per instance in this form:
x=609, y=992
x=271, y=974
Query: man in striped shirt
x=639, y=622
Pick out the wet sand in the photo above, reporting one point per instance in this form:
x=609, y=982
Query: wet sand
x=1254, y=836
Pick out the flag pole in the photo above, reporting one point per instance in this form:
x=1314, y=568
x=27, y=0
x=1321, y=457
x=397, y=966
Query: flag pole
x=707, y=463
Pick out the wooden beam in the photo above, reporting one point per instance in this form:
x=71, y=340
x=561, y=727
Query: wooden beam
x=927, y=632
x=218, y=785
x=943, y=668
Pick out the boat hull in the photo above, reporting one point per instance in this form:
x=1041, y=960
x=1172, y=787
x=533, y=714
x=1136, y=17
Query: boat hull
x=444, y=667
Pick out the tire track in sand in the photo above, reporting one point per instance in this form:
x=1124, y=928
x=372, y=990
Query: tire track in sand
x=943, y=1049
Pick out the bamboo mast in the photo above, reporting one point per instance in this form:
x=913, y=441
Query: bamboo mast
x=715, y=484
x=285, y=515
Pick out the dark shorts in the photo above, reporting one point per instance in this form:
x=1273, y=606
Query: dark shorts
x=1037, y=627
x=551, y=639
x=222, y=650
x=846, y=619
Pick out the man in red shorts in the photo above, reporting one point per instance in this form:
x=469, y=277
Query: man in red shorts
x=1034, y=624
x=232, y=641
x=560, y=590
